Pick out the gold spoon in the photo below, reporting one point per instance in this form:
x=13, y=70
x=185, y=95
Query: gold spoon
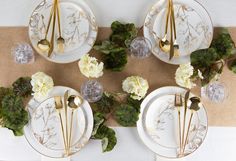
x=74, y=102
x=44, y=44
x=59, y=107
x=53, y=29
x=66, y=118
x=176, y=45
x=193, y=107
x=60, y=39
x=164, y=44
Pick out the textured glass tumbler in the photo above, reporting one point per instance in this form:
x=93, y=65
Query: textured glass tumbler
x=92, y=91
x=140, y=47
x=216, y=92
x=23, y=53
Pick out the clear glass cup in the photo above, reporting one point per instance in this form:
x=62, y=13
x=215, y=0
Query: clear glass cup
x=23, y=53
x=216, y=92
x=92, y=91
x=140, y=47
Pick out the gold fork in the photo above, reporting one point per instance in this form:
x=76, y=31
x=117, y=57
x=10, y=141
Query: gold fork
x=178, y=105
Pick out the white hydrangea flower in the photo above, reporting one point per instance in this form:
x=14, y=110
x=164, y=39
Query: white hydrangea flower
x=42, y=84
x=136, y=86
x=183, y=76
x=90, y=67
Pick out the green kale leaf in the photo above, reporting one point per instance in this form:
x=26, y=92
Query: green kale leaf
x=126, y=115
x=105, y=104
x=223, y=44
x=22, y=87
x=13, y=113
x=203, y=58
x=3, y=93
x=123, y=34
x=233, y=66
x=103, y=133
x=108, y=137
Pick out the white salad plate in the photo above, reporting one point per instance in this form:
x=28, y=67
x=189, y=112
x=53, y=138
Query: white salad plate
x=158, y=123
x=44, y=133
x=78, y=26
x=193, y=26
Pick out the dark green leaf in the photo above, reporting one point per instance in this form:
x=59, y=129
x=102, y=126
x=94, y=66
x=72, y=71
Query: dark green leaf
x=223, y=44
x=13, y=114
x=123, y=34
x=22, y=87
x=126, y=115
x=104, y=105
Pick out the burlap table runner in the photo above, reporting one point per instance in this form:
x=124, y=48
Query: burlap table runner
x=157, y=73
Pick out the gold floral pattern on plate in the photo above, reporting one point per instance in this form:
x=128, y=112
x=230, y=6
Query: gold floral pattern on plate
x=158, y=124
x=43, y=132
x=78, y=25
x=193, y=25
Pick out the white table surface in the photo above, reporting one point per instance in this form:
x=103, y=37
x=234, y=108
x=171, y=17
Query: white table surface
x=17, y=12
x=220, y=143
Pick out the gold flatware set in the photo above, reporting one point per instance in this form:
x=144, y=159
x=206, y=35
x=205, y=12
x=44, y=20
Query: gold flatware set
x=44, y=44
x=73, y=102
x=178, y=103
x=165, y=45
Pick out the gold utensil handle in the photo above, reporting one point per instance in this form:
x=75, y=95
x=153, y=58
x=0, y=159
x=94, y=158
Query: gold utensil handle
x=58, y=18
x=171, y=36
x=63, y=131
x=49, y=21
x=173, y=19
x=167, y=17
x=53, y=29
x=71, y=127
x=185, y=140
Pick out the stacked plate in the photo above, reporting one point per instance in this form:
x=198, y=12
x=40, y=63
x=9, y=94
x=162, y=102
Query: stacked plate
x=193, y=24
x=158, y=123
x=43, y=132
x=78, y=25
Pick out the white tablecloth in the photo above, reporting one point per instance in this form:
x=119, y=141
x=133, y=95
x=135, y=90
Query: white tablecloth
x=220, y=145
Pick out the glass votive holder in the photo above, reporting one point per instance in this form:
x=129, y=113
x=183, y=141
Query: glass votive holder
x=216, y=92
x=140, y=47
x=92, y=91
x=23, y=53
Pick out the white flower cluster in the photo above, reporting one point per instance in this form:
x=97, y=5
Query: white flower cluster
x=90, y=67
x=183, y=76
x=42, y=84
x=136, y=86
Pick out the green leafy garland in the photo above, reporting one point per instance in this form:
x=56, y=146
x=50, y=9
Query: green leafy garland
x=210, y=61
x=12, y=113
x=122, y=107
x=114, y=50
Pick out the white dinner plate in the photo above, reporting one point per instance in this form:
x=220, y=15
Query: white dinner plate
x=158, y=124
x=43, y=132
x=78, y=25
x=193, y=25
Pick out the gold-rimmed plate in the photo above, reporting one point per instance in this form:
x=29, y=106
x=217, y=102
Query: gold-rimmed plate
x=78, y=25
x=193, y=25
x=158, y=124
x=43, y=132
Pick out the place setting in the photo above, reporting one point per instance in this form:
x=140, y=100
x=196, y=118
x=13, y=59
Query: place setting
x=61, y=125
x=176, y=28
x=62, y=31
x=173, y=122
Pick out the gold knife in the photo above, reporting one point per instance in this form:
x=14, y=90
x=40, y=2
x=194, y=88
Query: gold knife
x=66, y=117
